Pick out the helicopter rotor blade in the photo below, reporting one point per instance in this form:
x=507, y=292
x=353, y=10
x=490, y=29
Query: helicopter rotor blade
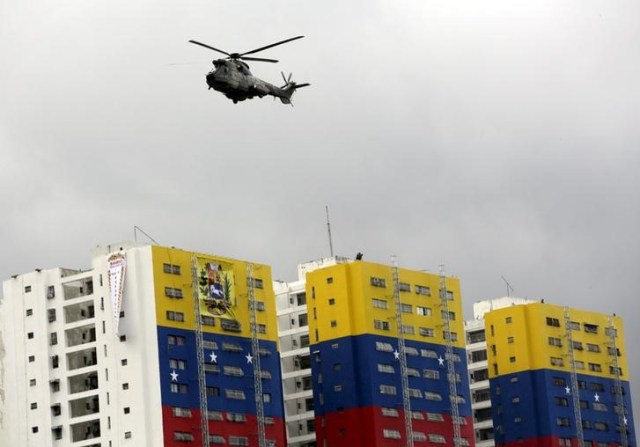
x=283, y=77
x=209, y=46
x=306, y=84
x=258, y=59
x=272, y=45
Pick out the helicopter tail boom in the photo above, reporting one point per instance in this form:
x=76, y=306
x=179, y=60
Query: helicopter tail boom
x=286, y=92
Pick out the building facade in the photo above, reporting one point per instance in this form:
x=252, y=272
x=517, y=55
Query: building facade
x=359, y=319
x=559, y=377
x=293, y=333
x=152, y=346
x=479, y=368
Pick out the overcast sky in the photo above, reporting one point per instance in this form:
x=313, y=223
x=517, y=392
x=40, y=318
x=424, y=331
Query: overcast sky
x=497, y=137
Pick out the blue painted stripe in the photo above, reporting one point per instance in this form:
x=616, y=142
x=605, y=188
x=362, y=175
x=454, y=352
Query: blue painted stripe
x=531, y=404
x=189, y=375
x=350, y=376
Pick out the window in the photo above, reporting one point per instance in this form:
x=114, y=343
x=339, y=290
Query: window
x=595, y=367
x=51, y=292
x=34, y=405
x=512, y=359
x=509, y=340
x=182, y=436
x=577, y=345
x=127, y=410
x=29, y=335
x=599, y=406
x=29, y=312
x=447, y=315
x=34, y=429
x=561, y=401
x=231, y=347
x=579, y=364
x=330, y=280
x=238, y=440
x=171, y=269
x=453, y=336
x=213, y=391
x=123, y=362
x=390, y=434
x=384, y=368
x=332, y=301
x=555, y=341
x=125, y=386
x=410, y=350
x=613, y=351
x=436, y=439
x=391, y=412
x=234, y=394
x=408, y=329
x=591, y=328
x=574, y=325
x=175, y=316
x=232, y=371
x=563, y=422
x=424, y=311
x=384, y=347
x=27, y=289
x=430, y=395
x=381, y=325
x=615, y=371
x=508, y=320
x=32, y=382
x=597, y=386
x=378, y=282
x=559, y=381
x=426, y=332
x=51, y=315
x=172, y=292
x=256, y=282
x=53, y=338
x=601, y=426
x=406, y=308
x=215, y=416
x=388, y=389
x=180, y=388
x=423, y=290
x=435, y=417
x=334, y=323
x=216, y=439
x=429, y=353
x=177, y=364
x=404, y=287
x=207, y=320
x=557, y=361
x=553, y=322
x=175, y=340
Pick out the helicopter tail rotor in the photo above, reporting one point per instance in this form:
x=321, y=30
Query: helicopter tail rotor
x=289, y=88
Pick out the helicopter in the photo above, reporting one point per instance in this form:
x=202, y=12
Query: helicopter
x=231, y=76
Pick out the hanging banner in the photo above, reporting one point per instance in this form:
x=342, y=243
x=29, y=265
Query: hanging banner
x=216, y=288
x=117, y=266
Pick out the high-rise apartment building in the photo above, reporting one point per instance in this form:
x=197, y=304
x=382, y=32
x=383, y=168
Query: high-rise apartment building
x=559, y=377
x=387, y=357
x=293, y=333
x=151, y=346
x=479, y=368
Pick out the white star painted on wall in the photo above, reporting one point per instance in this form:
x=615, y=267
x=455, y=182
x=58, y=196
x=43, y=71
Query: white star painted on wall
x=596, y=397
x=440, y=361
x=249, y=358
x=396, y=355
x=174, y=376
x=625, y=420
x=213, y=357
x=567, y=390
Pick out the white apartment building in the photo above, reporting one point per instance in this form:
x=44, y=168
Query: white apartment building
x=293, y=334
x=478, y=368
x=66, y=377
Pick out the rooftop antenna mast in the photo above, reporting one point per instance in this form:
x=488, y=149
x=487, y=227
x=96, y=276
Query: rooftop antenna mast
x=135, y=234
x=509, y=288
x=329, y=231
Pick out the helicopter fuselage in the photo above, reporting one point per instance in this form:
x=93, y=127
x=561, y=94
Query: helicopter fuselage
x=235, y=81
